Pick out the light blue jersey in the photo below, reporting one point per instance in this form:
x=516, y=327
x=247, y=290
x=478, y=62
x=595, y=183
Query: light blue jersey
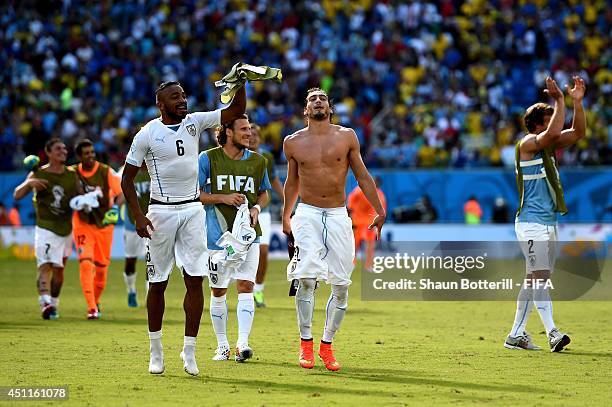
x=213, y=227
x=127, y=223
x=538, y=204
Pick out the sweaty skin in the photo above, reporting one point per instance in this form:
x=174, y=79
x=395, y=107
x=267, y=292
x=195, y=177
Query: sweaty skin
x=318, y=158
x=322, y=161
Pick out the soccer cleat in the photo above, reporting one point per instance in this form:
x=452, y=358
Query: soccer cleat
x=54, y=314
x=306, y=354
x=99, y=311
x=557, y=340
x=222, y=353
x=93, y=314
x=156, y=364
x=523, y=341
x=47, y=310
x=189, y=363
x=326, y=353
x=132, y=300
x=243, y=352
x=258, y=296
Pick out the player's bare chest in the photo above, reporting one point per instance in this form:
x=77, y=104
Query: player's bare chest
x=321, y=154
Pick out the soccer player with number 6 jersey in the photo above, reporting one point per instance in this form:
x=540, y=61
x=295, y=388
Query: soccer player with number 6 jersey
x=169, y=145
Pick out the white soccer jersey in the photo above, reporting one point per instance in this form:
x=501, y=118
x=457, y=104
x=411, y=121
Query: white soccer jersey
x=172, y=156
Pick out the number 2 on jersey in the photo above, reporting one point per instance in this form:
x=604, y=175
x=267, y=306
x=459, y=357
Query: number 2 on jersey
x=180, y=150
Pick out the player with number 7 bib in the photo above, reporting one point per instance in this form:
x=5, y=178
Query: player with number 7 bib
x=53, y=185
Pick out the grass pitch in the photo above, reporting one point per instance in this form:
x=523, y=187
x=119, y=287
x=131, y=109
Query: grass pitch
x=392, y=353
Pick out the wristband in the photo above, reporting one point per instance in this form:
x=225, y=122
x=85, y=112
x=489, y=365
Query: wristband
x=256, y=206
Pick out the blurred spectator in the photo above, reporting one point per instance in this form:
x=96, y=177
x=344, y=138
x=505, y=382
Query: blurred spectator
x=423, y=83
x=500, y=211
x=4, y=218
x=472, y=211
x=421, y=212
x=13, y=216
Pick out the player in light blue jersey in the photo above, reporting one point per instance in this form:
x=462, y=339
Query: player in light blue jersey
x=265, y=218
x=229, y=176
x=540, y=199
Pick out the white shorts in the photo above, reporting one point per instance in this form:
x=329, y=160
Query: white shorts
x=538, y=243
x=51, y=248
x=324, y=245
x=179, y=237
x=134, y=245
x=265, y=222
x=219, y=278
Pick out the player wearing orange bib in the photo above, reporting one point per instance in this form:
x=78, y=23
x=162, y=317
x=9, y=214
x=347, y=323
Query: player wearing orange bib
x=362, y=213
x=93, y=230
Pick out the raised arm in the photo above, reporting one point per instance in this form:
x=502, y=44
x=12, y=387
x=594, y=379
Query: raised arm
x=551, y=135
x=571, y=136
x=292, y=186
x=366, y=183
x=236, y=108
x=29, y=184
x=129, y=192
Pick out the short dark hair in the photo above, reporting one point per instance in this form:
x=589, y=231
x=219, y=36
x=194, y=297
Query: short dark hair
x=221, y=132
x=51, y=142
x=78, y=148
x=534, y=115
x=165, y=85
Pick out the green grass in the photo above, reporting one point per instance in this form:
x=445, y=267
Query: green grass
x=392, y=353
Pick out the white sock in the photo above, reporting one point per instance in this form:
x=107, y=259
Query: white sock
x=55, y=301
x=245, y=312
x=44, y=299
x=304, y=304
x=189, y=343
x=543, y=303
x=524, y=305
x=335, y=310
x=155, y=342
x=130, y=282
x=258, y=287
x=218, y=316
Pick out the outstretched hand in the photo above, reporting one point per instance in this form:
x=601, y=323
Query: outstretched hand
x=552, y=89
x=577, y=92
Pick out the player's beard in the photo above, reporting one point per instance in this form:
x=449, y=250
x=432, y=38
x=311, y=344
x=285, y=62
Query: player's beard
x=319, y=115
x=240, y=146
x=175, y=115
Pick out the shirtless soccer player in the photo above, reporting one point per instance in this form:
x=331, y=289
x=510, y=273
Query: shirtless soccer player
x=173, y=225
x=319, y=157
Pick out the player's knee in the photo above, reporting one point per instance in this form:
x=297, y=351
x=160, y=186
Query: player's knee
x=541, y=275
x=130, y=266
x=218, y=292
x=307, y=286
x=340, y=293
x=157, y=288
x=244, y=286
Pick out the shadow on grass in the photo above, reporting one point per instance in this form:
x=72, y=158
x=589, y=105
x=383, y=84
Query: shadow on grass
x=569, y=352
x=410, y=378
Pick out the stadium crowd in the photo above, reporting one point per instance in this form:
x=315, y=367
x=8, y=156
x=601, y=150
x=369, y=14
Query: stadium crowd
x=424, y=84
